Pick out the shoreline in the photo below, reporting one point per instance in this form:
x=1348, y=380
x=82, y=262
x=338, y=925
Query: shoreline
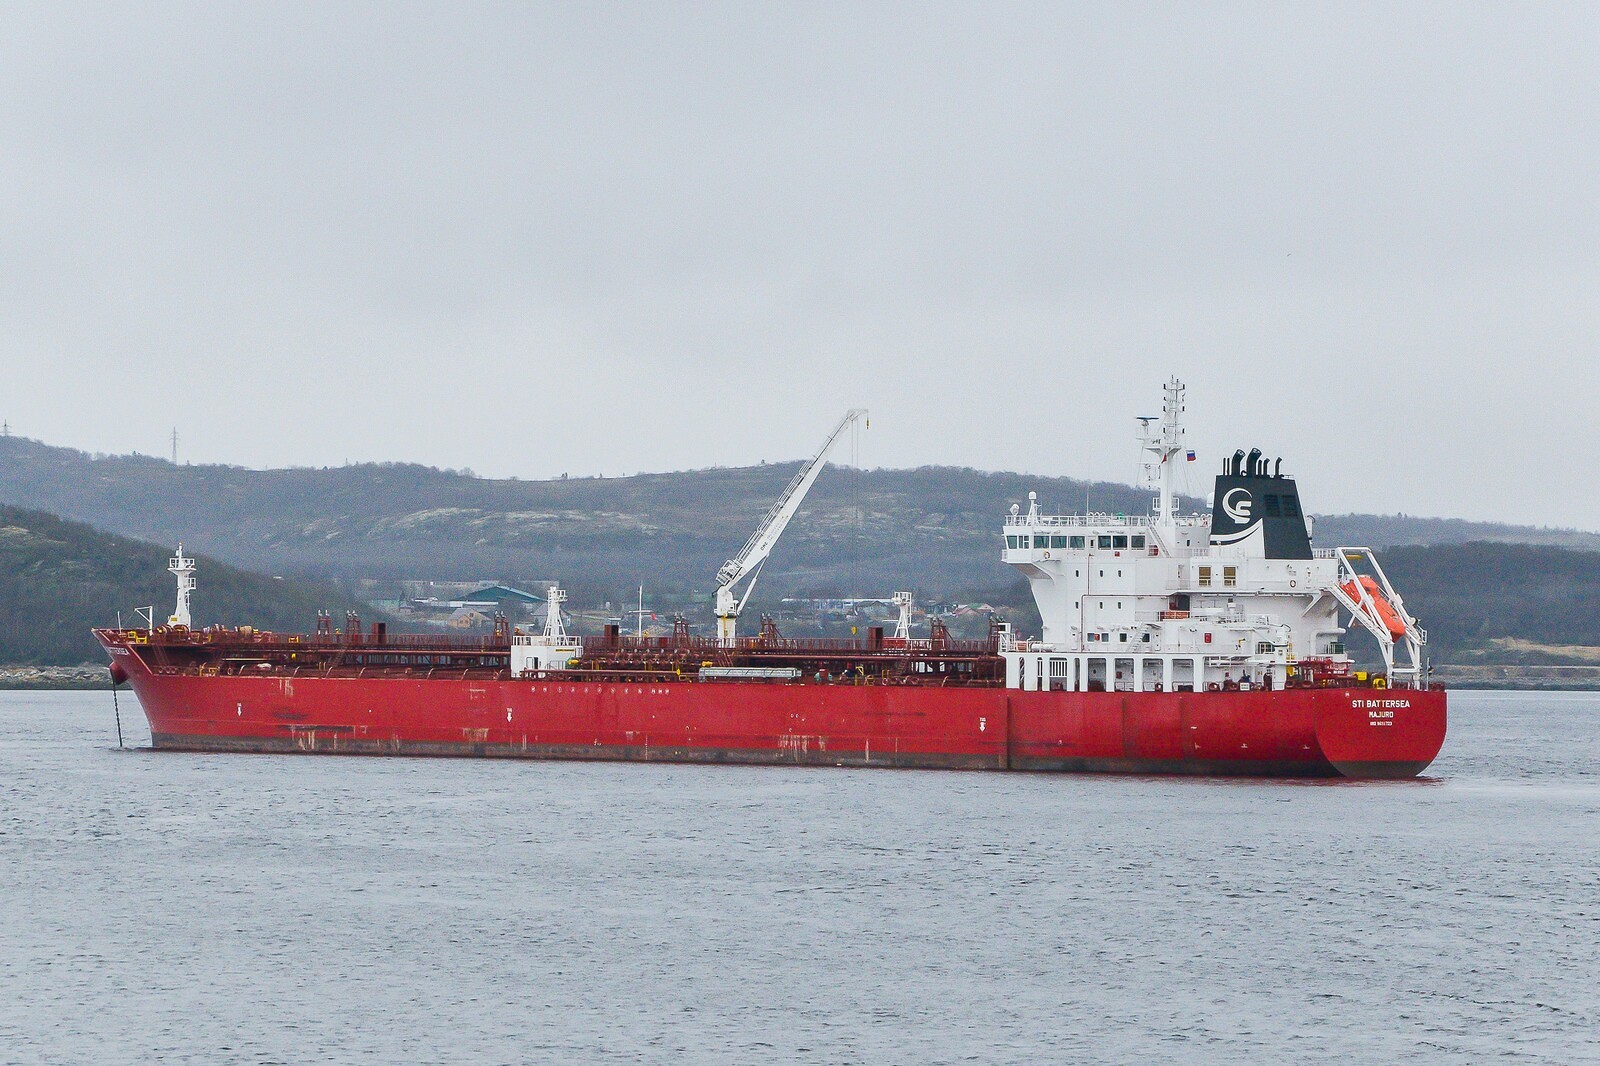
x=54, y=678
x=1540, y=678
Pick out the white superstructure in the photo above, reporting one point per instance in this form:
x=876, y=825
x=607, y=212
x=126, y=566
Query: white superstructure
x=1170, y=601
x=551, y=649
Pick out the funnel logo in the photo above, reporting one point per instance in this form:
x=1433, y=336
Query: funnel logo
x=1236, y=505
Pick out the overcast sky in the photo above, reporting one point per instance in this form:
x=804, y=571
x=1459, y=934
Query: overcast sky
x=591, y=238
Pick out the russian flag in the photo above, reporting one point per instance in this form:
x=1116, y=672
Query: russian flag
x=1191, y=455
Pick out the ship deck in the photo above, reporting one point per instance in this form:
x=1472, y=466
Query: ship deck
x=611, y=657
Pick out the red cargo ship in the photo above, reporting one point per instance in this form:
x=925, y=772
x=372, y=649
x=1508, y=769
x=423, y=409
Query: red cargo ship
x=1198, y=644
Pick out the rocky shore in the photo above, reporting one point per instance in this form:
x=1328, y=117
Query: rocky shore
x=1544, y=678
x=89, y=675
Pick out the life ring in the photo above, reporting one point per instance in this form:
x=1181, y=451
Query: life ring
x=1047, y=555
x=1291, y=583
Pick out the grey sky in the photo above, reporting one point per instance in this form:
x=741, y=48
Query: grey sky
x=591, y=238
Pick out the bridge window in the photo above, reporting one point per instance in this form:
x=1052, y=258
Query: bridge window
x=1058, y=542
x=1105, y=542
x=1205, y=577
x=1011, y=542
x=1075, y=542
x=1138, y=540
x=1041, y=541
x=1120, y=541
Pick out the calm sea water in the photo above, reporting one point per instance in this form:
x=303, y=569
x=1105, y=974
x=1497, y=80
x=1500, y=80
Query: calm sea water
x=280, y=909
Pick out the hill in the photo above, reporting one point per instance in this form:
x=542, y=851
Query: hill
x=1387, y=531
x=59, y=578
x=1509, y=603
x=933, y=529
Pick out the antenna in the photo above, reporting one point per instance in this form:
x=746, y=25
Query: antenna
x=641, y=612
x=174, y=445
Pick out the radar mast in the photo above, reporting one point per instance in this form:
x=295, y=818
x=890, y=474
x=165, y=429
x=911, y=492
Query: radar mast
x=1162, y=442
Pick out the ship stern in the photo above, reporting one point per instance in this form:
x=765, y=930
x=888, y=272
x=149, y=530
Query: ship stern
x=1381, y=733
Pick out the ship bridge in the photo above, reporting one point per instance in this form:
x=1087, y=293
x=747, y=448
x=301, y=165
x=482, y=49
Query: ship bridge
x=1234, y=597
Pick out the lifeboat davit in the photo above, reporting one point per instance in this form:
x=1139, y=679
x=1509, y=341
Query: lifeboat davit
x=1386, y=613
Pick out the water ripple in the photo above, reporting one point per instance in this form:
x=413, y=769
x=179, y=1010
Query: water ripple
x=259, y=909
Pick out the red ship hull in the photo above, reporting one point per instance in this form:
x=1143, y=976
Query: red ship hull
x=1313, y=732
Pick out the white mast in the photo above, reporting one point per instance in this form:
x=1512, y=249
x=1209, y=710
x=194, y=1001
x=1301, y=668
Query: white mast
x=902, y=628
x=755, y=551
x=553, y=599
x=1163, y=446
x=182, y=568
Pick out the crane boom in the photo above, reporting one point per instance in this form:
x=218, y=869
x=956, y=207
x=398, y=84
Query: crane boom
x=755, y=551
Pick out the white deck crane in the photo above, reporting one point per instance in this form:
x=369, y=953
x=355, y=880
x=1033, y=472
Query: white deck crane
x=754, y=554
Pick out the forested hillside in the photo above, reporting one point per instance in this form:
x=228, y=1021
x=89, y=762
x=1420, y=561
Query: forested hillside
x=1506, y=602
x=59, y=578
x=935, y=530
x=1471, y=596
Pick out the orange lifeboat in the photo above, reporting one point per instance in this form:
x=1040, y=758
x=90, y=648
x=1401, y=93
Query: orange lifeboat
x=1386, y=613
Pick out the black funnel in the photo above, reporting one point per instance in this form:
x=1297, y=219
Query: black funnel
x=1260, y=511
